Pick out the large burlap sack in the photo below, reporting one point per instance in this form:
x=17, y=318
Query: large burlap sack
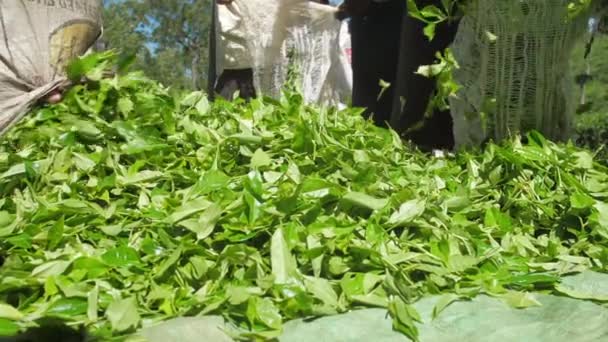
x=37, y=40
x=269, y=35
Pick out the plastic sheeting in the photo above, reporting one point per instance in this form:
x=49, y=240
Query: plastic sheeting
x=550, y=318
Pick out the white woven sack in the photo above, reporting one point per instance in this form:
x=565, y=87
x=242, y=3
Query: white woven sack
x=514, y=70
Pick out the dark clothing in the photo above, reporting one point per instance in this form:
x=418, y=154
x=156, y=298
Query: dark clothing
x=417, y=90
x=231, y=81
x=375, y=53
x=389, y=45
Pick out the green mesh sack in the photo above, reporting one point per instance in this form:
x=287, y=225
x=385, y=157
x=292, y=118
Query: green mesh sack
x=513, y=70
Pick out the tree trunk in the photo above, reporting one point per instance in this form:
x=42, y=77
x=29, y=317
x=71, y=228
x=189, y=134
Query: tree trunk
x=583, y=85
x=194, y=69
x=212, y=71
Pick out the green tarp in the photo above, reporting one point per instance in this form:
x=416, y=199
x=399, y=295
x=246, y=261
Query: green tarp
x=550, y=319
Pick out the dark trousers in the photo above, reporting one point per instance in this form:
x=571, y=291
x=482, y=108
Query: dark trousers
x=231, y=81
x=375, y=53
x=389, y=45
x=414, y=92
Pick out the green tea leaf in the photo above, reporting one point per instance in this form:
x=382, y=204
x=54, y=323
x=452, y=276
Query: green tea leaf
x=283, y=265
x=8, y=328
x=322, y=289
x=121, y=257
x=260, y=159
x=49, y=269
x=67, y=307
x=495, y=218
x=581, y=201
x=56, y=234
x=520, y=300
x=407, y=212
x=205, y=224
x=9, y=312
x=93, y=304
x=364, y=201
x=265, y=312
x=140, y=177
x=188, y=209
x=125, y=106
x=443, y=303
x=602, y=211
x=123, y=314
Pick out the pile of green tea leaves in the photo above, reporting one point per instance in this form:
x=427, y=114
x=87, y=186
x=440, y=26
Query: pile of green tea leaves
x=126, y=205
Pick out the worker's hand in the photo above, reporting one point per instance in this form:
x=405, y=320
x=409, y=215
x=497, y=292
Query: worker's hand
x=353, y=8
x=224, y=2
x=54, y=97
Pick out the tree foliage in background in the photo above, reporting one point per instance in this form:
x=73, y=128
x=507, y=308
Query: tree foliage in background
x=592, y=121
x=168, y=37
x=596, y=89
